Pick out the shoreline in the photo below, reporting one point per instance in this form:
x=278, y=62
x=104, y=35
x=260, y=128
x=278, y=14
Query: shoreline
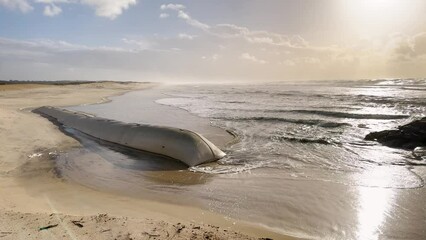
x=22, y=183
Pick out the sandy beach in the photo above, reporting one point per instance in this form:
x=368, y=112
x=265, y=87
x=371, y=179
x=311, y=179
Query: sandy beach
x=139, y=119
x=307, y=184
x=37, y=204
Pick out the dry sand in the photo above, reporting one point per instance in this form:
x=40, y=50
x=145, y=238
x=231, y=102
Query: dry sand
x=33, y=196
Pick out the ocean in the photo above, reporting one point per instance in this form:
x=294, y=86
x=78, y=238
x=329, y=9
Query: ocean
x=298, y=165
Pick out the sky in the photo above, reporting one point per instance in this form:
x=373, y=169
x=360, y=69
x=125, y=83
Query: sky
x=212, y=40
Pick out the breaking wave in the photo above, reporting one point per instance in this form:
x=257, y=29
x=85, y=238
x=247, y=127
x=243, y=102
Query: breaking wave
x=351, y=115
x=322, y=140
x=311, y=122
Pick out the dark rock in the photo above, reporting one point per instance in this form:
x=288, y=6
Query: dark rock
x=408, y=136
x=419, y=153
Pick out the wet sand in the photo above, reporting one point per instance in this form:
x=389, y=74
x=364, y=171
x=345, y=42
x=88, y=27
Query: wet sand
x=35, y=196
x=307, y=208
x=148, y=111
x=375, y=202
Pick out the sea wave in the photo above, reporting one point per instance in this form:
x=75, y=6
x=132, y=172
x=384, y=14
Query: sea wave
x=325, y=113
x=366, y=98
x=241, y=102
x=322, y=140
x=312, y=122
x=393, y=82
x=414, y=88
x=225, y=169
x=351, y=115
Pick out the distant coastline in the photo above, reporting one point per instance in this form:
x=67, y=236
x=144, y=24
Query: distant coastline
x=63, y=82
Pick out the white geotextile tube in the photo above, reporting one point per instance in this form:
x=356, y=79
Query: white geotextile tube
x=189, y=147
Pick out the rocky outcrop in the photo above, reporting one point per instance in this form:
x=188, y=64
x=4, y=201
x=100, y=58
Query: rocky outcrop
x=408, y=136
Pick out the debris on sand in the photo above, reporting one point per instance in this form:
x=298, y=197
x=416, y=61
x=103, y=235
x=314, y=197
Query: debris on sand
x=48, y=227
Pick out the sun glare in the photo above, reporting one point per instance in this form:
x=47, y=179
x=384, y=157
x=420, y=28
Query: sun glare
x=379, y=4
x=373, y=17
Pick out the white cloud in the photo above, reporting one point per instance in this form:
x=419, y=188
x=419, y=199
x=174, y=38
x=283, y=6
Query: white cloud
x=104, y=8
x=226, y=30
x=247, y=56
x=164, y=15
x=184, y=15
x=51, y=10
x=49, y=47
x=21, y=5
x=171, y=59
x=186, y=36
x=139, y=43
x=191, y=21
x=261, y=40
x=109, y=8
x=172, y=6
x=257, y=37
x=216, y=51
x=53, y=1
x=212, y=58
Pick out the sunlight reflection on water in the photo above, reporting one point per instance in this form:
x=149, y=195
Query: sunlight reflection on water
x=375, y=204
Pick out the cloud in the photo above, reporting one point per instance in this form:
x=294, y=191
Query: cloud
x=204, y=50
x=53, y=1
x=408, y=48
x=212, y=58
x=103, y=8
x=21, y=5
x=184, y=15
x=49, y=60
x=109, y=8
x=172, y=6
x=191, y=21
x=226, y=30
x=247, y=56
x=51, y=10
x=288, y=63
x=164, y=15
x=186, y=36
x=419, y=44
x=141, y=44
x=205, y=57
x=310, y=60
x=257, y=37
